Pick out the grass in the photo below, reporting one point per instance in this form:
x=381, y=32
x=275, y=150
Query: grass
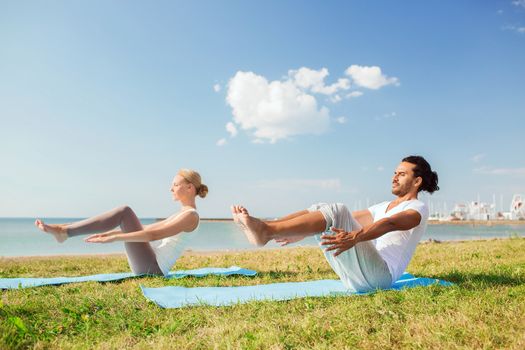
x=485, y=309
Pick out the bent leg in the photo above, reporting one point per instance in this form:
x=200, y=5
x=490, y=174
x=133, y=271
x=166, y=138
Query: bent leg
x=102, y=222
x=360, y=268
x=141, y=257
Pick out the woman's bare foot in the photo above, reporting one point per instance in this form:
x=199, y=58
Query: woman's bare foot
x=255, y=230
x=58, y=231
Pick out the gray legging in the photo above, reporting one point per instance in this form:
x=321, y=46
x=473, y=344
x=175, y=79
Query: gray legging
x=141, y=257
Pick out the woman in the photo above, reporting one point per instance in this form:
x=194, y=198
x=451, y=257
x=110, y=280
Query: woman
x=144, y=258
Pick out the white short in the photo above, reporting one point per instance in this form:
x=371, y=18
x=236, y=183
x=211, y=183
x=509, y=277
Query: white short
x=360, y=268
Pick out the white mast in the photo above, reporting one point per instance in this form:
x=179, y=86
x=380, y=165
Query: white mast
x=493, y=206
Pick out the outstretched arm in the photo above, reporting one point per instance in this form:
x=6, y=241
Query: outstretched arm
x=183, y=223
x=343, y=240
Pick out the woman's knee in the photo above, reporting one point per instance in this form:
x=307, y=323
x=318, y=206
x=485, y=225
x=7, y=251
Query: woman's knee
x=124, y=209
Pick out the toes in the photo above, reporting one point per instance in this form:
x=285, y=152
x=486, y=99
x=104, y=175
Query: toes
x=40, y=224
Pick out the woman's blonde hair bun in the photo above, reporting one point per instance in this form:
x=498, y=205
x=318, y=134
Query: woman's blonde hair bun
x=194, y=178
x=202, y=191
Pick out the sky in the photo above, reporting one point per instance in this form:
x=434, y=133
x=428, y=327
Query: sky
x=278, y=104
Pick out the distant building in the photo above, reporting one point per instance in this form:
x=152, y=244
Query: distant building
x=480, y=211
x=460, y=212
x=474, y=211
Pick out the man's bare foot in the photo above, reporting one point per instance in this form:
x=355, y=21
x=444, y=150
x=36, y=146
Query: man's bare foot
x=58, y=231
x=255, y=230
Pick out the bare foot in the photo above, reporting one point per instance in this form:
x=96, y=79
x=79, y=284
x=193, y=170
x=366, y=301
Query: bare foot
x=255, y=230
x=58, y=231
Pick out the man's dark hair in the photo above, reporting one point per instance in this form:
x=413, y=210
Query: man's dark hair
x=423, y=170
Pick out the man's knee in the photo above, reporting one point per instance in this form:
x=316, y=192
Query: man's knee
x=341, y=216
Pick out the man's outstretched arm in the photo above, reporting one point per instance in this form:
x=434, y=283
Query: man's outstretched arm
x=343, y=240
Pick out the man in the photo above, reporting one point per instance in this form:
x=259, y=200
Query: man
x=368, y=249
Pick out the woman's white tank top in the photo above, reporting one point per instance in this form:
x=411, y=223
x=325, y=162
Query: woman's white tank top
x=169, y=249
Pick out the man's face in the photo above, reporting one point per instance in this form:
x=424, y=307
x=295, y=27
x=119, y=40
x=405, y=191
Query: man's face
x=403, y=180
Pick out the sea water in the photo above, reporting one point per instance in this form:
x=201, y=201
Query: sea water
x=19, y=237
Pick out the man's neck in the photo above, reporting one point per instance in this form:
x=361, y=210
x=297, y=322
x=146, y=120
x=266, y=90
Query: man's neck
x=401, y=199
x=406, y=197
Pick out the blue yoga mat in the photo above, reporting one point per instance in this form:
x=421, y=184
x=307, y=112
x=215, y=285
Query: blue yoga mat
x=176, y=297
x=25, y=282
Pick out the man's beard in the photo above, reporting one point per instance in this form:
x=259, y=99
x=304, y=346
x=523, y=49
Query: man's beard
x=399, y=191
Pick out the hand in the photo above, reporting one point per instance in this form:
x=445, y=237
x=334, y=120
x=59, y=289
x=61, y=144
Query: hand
x=341, y=241
x=287, y=240
x=106, y=237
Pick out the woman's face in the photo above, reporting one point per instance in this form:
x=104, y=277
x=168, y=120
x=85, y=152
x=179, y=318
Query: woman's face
x=180, y=188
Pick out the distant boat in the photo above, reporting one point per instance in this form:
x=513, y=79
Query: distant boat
x=517, y=208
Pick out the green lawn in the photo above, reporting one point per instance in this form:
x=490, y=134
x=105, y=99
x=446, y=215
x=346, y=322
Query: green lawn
x=484, y=310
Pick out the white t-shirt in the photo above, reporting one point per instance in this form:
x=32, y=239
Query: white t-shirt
x=397, y=247
x=169, y=249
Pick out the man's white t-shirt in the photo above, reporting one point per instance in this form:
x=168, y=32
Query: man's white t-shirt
x=397, y=247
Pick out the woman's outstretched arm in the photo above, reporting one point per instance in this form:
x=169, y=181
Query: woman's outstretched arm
x=183, y=223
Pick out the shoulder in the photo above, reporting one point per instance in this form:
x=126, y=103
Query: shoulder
x=191, y=218
x=418, y=206
x=378, y=205
x=187, y=216
x=416, y=203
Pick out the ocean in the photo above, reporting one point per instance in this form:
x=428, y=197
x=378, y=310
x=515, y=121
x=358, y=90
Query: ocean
x=19, y=237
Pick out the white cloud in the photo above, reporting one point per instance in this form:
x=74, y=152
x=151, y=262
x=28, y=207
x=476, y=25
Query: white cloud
x=354, y=94
x=520, y=30
x=336, y=98
x=221, y=142
x=341, y=120
x=500, y=171
x=386, y=116
x=216, y=88
x=313, y=80
x=370, y=77
x=499, y=12
x=478, y=157
x=231, y=129
x=519, y=3
x=274, y=110
x=302, y=184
